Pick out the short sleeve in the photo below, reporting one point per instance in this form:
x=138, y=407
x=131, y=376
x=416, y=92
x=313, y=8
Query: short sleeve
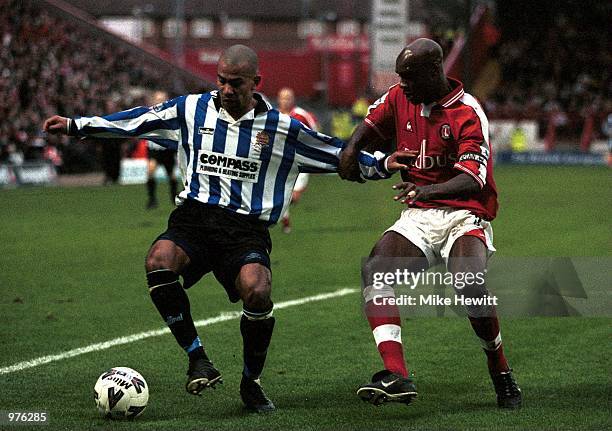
x=381, y=116
x=473, y=150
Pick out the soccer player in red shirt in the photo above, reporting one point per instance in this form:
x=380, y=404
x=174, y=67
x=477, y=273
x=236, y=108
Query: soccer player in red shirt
x=450, y=198
x=287, y=105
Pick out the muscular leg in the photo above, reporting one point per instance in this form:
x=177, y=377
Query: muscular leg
x=254, y=283
x=384, y=319
x=164, y=262
x=469, y=255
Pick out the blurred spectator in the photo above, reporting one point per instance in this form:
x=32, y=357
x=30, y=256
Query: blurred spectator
x=158, y=155
x=11, y=155
x=110, y=150
x=360, y=109
x=287, y=105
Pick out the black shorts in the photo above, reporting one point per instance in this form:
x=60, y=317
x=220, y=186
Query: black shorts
x=217, y=240
x=166, y=158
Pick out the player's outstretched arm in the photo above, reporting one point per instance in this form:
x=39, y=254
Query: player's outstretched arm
x=379, y=166
x=161, y=124
x=56, y=125
x=460, y=186
x=363, y=136
x=319, y=153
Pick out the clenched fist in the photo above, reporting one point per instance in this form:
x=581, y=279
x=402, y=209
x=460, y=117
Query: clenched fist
x=56, y=125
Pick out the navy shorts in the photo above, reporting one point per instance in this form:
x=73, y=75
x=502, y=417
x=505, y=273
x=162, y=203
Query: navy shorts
x=217, y=240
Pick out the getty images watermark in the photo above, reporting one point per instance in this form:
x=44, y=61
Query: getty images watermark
x=510, y=286
x=380, y=280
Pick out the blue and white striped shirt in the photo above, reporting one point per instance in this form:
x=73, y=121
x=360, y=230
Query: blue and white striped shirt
x=248, y=165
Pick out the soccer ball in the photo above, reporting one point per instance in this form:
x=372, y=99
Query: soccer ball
x=121, y=392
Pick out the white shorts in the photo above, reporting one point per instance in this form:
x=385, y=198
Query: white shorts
x=435, y=230
x=301, y=182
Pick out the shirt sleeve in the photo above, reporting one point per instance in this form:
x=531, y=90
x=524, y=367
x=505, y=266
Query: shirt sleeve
x=373, y=166
x=319, y=153
x=381, y=117
x=314, y=151
x=473, y=148
x=159, y=123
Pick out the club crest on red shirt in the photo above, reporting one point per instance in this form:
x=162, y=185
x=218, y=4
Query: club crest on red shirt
x=409, y=126
x=445, y=132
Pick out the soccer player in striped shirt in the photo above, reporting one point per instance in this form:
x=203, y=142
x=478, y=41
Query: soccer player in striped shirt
x=239, y=159
x=450, y=198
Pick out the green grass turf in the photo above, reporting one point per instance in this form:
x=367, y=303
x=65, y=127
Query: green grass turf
x=72, y=274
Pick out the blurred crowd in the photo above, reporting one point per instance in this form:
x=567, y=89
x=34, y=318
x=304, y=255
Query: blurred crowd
x=50, y=66
x=562, y=68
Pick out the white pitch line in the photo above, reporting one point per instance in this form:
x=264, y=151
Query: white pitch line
x=224, y=316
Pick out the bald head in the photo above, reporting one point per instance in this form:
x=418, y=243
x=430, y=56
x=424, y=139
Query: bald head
x=421, y=72
x=237, y=78
x=241, y=56
x=422, y=53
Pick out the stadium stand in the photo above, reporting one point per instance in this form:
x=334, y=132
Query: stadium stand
x=551, y=68
x=60, y=65
x=555, y=67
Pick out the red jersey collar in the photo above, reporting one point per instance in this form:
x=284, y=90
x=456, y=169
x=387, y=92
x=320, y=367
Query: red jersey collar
x=456, y=93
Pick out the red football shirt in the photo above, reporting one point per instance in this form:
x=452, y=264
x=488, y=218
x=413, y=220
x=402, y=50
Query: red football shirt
x=305, y=117
x=452, y=137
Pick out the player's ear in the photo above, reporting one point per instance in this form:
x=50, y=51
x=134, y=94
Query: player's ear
x=257, y=80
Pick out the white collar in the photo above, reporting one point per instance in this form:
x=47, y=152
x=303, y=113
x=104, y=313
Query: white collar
x=226, y=116
x=426, y=109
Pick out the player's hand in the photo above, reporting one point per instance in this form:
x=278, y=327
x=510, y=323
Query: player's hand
x=411, y=193
x=400, y=160
x=55, y=125
x=348, y=168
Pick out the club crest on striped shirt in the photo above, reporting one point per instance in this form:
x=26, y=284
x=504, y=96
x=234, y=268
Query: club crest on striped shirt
x=261, y=140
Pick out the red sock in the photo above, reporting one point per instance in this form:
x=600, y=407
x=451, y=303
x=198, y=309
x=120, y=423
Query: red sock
x=487, y=329
x=386, y=326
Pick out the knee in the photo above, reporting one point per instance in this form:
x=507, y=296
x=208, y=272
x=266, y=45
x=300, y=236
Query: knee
x=255, y=289
x=164, y=255
x=155, y=260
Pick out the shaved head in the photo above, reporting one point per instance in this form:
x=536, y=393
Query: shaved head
x=421, y=52
x=421, y=72
x=241, y=56
x=237, y=78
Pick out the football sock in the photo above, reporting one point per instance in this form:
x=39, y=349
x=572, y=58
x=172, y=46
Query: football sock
x=173, y=305
x=151, y=184
x=487, y=330
x=173, y=185
x=386, y=327
x=256, y=327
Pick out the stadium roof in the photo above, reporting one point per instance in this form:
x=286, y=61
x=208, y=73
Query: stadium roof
x=261, y=9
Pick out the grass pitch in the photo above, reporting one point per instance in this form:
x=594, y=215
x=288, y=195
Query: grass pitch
x=72, y=275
